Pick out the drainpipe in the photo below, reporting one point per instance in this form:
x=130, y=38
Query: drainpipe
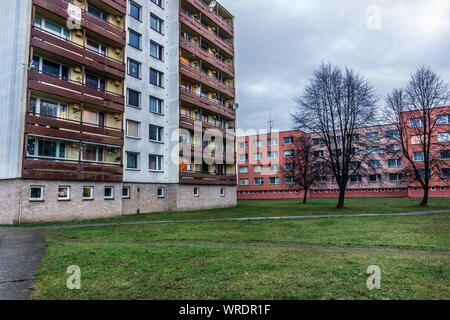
x=20, y=206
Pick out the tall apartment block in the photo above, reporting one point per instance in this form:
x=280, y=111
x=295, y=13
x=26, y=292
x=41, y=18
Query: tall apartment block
x=262, y=158
x=96, y=96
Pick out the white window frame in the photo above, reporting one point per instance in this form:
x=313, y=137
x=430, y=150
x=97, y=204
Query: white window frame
x=62, y=107
x=41, y=198
x=159, y=163
x=222, y=192
x=162, y=194
x=138, y=129
x=92, y=193
x=43, y=27
x=111, y=197
x=128, y=195
x=196, y=191
x=68, y=193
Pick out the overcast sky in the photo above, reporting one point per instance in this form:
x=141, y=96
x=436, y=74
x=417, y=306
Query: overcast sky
x=280, y=42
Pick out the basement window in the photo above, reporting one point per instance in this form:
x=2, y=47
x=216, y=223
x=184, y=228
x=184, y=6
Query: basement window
x=160, y=192
x=88, y=193
x=222, y=192
x=196, y=191
x=109, y=193
x=126, y=193
x=63, y=193
x=37, y=193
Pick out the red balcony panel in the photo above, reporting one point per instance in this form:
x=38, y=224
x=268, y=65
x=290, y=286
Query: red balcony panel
x=52, y=122
x=103, y=28
x=52, y=132
x=203, y=78
x=101, y=139
x=116, y=133
x=206, y=56
x=96, y=168
x=58, y=7
x=207, y=104
x=207, y=178
x=205, y=33
x=204, y=9
x=119, y=5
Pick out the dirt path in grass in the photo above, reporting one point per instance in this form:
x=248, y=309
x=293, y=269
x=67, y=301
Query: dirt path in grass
x=76, y=226
x=21, y=253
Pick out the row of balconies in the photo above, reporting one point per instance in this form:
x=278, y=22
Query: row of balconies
x=225, y=23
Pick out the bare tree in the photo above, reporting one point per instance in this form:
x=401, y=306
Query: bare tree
x=303, y=170
x=416, y=111
x=334, y=105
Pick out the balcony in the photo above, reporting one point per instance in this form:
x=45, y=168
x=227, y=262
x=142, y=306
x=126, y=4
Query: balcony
x=35, y=168
x=73, y=90
x=200, y=152
x=207, y=104
x=214, y=16
x=72, y=129
x=201, y=177
x=75, y=52
x=187, y=122
x=206, y=33
x=89, y=21
x=198, y=51
x=199, y=76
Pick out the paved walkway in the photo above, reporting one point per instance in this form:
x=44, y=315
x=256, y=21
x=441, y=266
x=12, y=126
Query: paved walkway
x=21, y=253
x=77, y=226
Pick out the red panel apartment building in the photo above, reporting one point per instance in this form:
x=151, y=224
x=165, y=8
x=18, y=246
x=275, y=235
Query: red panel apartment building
x=262, y=157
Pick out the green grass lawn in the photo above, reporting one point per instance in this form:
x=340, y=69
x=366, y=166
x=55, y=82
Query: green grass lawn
x=256, y=259
x=289, y=207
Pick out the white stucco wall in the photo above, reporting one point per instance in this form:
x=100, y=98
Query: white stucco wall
x=14, y=27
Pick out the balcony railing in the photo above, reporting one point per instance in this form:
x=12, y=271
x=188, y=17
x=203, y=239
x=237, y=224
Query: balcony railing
x=206, y=103
x=75, y=52
x=218, y=19
x=204, y=177
x=40, y=81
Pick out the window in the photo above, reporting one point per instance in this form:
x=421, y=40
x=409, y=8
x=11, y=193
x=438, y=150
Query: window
x=109, y=193
x=50, y=68
x=289, y=153
x=259, y=181
x=274, y=180
x=156, y=133
x=36, y=193
x=134, y=69
x=372, y=136
x=135, y=11
x=417, y=139
x=158, y=2
x=99, y=153
x=156, y=105
x=393, y=148
x=96, y=47
x=395, y=177
x=289, y=180
x=257, y=143
x=243, y=182
x=289, y=167
x=392, y=134
x=257, y=156
x=445, y=119
x=375, y=178
x=288, y=140
x=394, y=162
x=134, y=39
x=134, y=98
x=273, y=154
x=95, y=82
x=272, y=142
x=48, y=148
x=446, y=173
x=196, y=191
x=445, y=154
x=274, y=167
x=156, y=78
x=243, y=145
x=88, y=193
x=126, y=193
x=155, y=163
x=374, y=163
x=356, y=178
x=156, y=23
x=97, y=13
x=375, y=149
x=48, y=108
x=160, y=192
x=132, y=160
x=418, y=156
x=133, y=129
x=318, y=154
x=243, y=157
x=222, y=192
x=421, y=174
x=52, y=27
x=257, y=169
x=416, y=123
x=444, y=137
x=63, y=193
x=354, y=164
x=156, y=50
x=318, y=141
x=243, y=169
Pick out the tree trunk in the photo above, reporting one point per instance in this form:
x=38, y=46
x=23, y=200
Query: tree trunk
x=341, y=198
x=425, y=197
x=305, y=196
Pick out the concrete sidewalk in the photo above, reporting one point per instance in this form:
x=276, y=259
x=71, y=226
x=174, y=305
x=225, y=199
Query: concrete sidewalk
x=21, y=253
